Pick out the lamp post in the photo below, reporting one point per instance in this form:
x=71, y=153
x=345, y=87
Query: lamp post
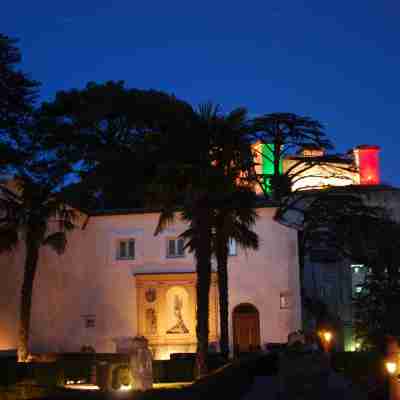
x=392, y=367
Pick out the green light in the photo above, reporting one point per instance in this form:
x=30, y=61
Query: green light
x=268, y=168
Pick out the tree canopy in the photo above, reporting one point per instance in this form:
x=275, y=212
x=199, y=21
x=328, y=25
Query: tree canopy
x=17, y=96
x=113, y=135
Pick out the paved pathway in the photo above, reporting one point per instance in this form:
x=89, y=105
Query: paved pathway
x=336, y=388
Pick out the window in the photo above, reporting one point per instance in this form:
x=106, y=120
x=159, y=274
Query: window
x=356, y=268
x=326, y=290
x=232, y=251
x=175, y=248
x=126, y=249
x=285, y=300
x=89, y=321
x=358, y=289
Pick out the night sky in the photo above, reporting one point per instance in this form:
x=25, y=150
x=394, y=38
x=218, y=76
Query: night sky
x=337, y=61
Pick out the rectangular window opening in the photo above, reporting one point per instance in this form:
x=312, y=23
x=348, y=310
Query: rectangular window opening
x=232, y=249
x=126, y=249
x=89, y=321
x=175, y=248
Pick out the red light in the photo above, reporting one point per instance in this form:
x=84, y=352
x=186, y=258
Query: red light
x=367, y=159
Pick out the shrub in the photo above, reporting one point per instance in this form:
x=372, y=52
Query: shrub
x=77, y=366
x=120, y=375
x=8, y=371
x=231, y=381
x=175, y=370
x=363, y=368
x=44, y=374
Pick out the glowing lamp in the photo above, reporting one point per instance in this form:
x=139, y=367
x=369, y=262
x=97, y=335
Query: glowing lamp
x=327, y=336
x=367, y=161
x=125, y=388
x=391, y=367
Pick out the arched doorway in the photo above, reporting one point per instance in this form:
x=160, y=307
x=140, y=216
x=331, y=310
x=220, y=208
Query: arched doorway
x=246, y=328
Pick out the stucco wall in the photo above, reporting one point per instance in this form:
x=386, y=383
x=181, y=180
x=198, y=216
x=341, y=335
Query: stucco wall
x=87, y=280
x=258, y=277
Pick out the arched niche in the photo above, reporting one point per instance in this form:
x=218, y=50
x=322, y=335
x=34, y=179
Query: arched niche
x=177, y=311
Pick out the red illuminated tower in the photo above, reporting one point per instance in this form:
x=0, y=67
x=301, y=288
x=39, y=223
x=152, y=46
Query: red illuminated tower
x=367, y=161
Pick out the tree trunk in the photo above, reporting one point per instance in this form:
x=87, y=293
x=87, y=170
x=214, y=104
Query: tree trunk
x=203, y=266
x=222, y=265
x=31, y=259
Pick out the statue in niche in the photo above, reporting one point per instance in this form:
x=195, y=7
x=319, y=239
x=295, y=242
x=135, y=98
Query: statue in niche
x=151, y=321
x=180, y=326
x=150, y=295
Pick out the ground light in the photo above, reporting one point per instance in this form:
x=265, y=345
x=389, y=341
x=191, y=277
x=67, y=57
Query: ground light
x=326, y=338
x=81, y=386
x=392, y=367
x=125, y=388
x=356, y=346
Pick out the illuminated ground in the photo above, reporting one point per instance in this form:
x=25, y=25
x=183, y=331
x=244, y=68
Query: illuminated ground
x=173, y=385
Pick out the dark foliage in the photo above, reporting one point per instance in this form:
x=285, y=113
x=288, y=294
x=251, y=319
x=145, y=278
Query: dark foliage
x=288, y=133
x=17, y=91
x=375, y=310
x=340, y=220
x=112, y=134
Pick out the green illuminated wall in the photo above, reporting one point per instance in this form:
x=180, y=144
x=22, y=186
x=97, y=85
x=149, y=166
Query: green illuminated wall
x=267, y=165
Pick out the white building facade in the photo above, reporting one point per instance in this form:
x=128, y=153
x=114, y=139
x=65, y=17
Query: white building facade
x=117, y=280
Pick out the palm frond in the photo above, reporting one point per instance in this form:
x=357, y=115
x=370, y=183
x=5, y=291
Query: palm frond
x=57, y=241
x=166, y=218
x=208, y=111
x=8, y=238
x=245, y=237
x=188, y=235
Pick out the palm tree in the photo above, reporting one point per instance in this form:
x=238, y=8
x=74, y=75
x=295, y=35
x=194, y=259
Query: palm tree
x=196, y=181
x=234, y=212
x=195, y=208
x=183, y=183
x=233, y=220
x=36, y=214
x=232, y=203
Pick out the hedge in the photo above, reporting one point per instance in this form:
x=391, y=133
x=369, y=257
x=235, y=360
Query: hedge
x=79, y=366
x=363, y=368
x=231, y=381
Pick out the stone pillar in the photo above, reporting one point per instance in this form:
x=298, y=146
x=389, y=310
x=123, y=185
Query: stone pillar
x=140, y=362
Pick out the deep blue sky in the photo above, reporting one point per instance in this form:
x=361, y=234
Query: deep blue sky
x=337, y=61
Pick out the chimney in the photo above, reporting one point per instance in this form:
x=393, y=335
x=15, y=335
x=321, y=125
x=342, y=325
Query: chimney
x=367, y=162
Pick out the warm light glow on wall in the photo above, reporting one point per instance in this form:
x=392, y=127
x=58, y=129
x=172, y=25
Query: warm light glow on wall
x=81, y=386
x=164, y=352
x=7, y=341
x=367, y=161
x=321, y=176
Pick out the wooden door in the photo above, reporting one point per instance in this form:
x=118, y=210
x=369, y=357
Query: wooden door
x=246, y=328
